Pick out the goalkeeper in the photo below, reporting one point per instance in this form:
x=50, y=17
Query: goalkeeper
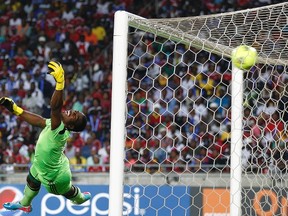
x=50, y=166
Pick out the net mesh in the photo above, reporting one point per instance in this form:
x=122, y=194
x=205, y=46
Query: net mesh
x=179, y=107
x=264, y=28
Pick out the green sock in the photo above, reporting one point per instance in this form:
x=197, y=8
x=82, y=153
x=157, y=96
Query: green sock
x=79, y=198
x=28, y=196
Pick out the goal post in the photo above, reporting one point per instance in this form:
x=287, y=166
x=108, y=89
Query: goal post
x=118, y=112
x=168, y=74
x=236, y=141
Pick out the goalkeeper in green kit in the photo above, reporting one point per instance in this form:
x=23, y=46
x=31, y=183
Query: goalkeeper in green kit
x=50, y=166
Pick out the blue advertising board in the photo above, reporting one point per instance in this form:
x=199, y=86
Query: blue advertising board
x=145, y=200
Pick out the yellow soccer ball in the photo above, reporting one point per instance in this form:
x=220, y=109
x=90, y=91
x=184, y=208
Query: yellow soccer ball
x=244, y=57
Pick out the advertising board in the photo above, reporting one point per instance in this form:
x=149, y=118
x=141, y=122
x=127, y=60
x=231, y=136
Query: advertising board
x=138, y=200
x=152, y=200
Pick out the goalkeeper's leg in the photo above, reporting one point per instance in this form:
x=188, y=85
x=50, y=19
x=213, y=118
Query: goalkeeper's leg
x=62, y=185
x=76, y=196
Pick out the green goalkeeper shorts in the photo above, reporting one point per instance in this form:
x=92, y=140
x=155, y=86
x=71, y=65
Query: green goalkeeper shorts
x=58, y=183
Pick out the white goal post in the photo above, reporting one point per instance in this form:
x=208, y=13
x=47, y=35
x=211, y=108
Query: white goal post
x=263, y=28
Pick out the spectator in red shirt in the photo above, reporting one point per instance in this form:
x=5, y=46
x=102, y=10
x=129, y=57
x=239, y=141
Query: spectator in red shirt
x=155, y=118
x=83, y=47
x=106, y=101
x=18, y=158
x=20, y=57
x=78, y=142
x=21, y=92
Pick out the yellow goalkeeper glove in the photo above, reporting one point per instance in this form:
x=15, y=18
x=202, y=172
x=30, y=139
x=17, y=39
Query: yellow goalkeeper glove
x=10, y=105
x=58, y=73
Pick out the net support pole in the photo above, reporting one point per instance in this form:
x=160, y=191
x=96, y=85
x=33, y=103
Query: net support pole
x=119, y=76
x=236, y=141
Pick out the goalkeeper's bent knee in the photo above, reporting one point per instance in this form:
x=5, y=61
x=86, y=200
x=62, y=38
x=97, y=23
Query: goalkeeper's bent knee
x=33, y=183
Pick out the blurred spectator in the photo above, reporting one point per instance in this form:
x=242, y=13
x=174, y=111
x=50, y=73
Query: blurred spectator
x=83, y=47
x=185, y=155
x=94, y=119
x=98, y=73
x=70, y=148
x=173, y=162
x=90, y=37
x=21, y=92
x=38, y=96
x=88, y=145
x=19, y=159
x=78, y=162
x=143, y=161
x=78, y=142
x=104, y=151
x=67, y=12
x=160, y=154
x=86, y=133
x=99, y=31
x=3, y=127
x=202, y=160
x=94, y=164
x=78, y=104
x=129, y=161
x=217, y=159
x=82, y=81
x=30, y=102
x=21, y=60
x=31, y=152
x=103, y=7
x=3, y=91
x=44, y=51
x=106, y=160
x=24, y=30
x=106, y=102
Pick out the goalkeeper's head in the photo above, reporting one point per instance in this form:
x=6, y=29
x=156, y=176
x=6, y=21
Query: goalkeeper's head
x=74, y=120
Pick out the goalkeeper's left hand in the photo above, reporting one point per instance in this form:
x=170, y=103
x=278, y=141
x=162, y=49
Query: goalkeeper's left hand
x=58, y=73
x=11, y=105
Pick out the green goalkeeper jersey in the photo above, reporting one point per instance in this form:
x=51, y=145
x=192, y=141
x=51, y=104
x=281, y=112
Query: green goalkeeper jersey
x=49, y=157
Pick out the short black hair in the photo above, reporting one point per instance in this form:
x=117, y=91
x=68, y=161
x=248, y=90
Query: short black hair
x=81, y=124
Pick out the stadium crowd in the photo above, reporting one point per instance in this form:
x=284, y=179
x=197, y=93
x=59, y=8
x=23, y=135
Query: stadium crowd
x=79, y=34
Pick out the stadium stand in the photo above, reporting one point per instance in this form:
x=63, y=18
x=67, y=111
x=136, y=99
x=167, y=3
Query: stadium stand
x=79, y=34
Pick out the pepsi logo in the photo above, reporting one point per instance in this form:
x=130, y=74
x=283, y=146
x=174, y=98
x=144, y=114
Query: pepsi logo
x=9, y=194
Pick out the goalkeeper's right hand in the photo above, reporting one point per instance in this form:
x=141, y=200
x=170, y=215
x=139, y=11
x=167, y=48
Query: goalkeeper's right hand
x=11, y=105
x=58, y=73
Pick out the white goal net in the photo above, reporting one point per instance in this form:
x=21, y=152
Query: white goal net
x=192, y=146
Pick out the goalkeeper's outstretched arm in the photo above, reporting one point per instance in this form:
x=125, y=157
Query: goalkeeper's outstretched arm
x=56, y=102
x=29, y=117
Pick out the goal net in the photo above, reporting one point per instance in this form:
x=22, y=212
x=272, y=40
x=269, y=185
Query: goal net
x=191, y=134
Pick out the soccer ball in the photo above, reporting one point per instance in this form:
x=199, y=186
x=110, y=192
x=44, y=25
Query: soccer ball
x=244, y=57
